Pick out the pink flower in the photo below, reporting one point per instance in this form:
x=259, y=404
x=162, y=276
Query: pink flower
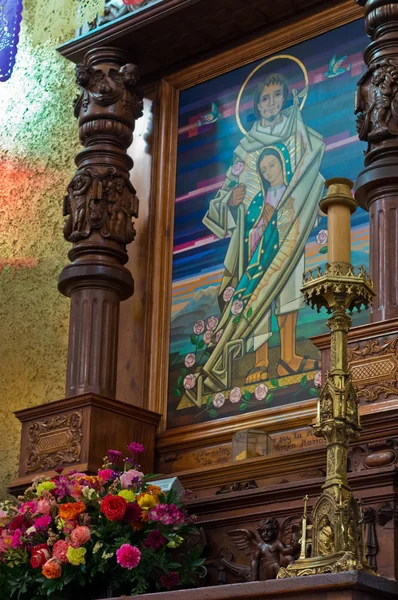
x=237, y=307
x=228, y=293
x=16, y=539
x=60, y=549
x=135, y=448
x=44, y=506
x=261, y=391
x=238, y=168
x=199, y=327
x=154, y=540
x=127, y=478
x=42, y=522
x=168, y=514
x=207, y=337
x=211, y=323
x=190, y=360
x=189, y=382
x=80, y=536
x=318, y=379
x=235, y=395
x=105, y=474
x=218, y=400
x=322, y=237
x=219, y=334
x=30, y=507
x=69, y=526
x=128, y=556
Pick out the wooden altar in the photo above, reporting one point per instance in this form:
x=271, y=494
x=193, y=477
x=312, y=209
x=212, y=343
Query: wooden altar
x=177, y=44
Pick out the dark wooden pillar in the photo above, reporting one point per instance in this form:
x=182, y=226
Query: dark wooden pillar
x=100, y=203
x=377, y=184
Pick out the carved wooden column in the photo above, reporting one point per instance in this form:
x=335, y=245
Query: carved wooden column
x=77, y=431
x=100, y=203
x=377, y=185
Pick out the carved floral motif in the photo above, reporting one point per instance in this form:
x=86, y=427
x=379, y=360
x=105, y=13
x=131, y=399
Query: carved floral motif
x=54, y=442
x=374, y=368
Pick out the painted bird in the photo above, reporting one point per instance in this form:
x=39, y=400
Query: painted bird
x=335, y=67
x=210, y=117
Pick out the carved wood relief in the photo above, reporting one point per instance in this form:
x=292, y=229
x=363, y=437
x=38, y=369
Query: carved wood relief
x=374, y=368
x=54, y=442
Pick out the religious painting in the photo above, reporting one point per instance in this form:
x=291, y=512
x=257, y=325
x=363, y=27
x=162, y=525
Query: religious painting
x=255, y=146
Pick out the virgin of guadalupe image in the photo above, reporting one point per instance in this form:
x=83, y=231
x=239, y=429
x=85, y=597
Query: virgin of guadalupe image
x=267, y=206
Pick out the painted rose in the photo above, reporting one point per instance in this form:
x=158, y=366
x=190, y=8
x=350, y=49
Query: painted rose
x=261, y=391
x=235, y=395
x=199, y=327
x=219, y=400
x=322, y=237
x=238, y=168
x=318, y=379
x=80, y=536
x=189, y=360
x=211, y=323
x=189, y=382
x=207, y=336
x=237, y=307
x=130, y=477
x=219, y=334
x=39, y=556
x=228, y=293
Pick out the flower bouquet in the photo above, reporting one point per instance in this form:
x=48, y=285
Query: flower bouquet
x=84, y=537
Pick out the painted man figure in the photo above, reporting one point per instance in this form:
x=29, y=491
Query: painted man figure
x=268, y=205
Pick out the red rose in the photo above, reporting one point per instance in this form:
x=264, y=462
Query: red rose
x=114, y=507
x=40, y=555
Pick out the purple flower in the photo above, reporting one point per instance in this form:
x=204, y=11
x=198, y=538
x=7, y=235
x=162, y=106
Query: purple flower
x=62, y=486
x=168, y=514
x=135, y=448
x=114, y=456
x=154, y=540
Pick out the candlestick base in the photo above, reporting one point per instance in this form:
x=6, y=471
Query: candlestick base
x=318, y=565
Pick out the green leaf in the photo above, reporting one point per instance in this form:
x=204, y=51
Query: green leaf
x=247, y=394
x=180, y=380
x=303, y=381
x=313, y=392
x=236, y=319
x=249, y=313
x=201, y=344
x=323, y=250
x=243, y=406
x=176, y=392
x=275, y=382
x=194, y=340
x=213, y=413
x=209, y=401
x=269, y=398
x=184, y=371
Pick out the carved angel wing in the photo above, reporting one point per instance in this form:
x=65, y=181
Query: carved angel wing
x=245, y=540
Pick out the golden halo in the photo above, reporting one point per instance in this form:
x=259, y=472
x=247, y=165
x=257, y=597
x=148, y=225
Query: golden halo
x=267, y=60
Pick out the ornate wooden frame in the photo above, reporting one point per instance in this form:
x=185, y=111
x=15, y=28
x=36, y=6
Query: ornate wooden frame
x=161, y=240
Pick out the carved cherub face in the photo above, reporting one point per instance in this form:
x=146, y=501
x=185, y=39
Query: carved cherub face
x=130, y=74
x=82, y=75
x=378, y=77
x=269, y=530
x=78, y=182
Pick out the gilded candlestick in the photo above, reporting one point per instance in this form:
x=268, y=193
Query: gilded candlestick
x=337, y=543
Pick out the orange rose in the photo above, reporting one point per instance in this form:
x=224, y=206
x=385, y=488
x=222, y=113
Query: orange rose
x=52, y=569
x=71, y=510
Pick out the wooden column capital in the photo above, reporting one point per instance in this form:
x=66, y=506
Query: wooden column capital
x=99, y=205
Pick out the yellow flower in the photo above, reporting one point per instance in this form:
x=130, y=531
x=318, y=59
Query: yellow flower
x=127, y=495
x=45, y=486
x=76, y=556
x=146, y=501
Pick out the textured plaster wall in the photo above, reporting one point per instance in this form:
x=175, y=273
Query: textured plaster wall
x=38, y=141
